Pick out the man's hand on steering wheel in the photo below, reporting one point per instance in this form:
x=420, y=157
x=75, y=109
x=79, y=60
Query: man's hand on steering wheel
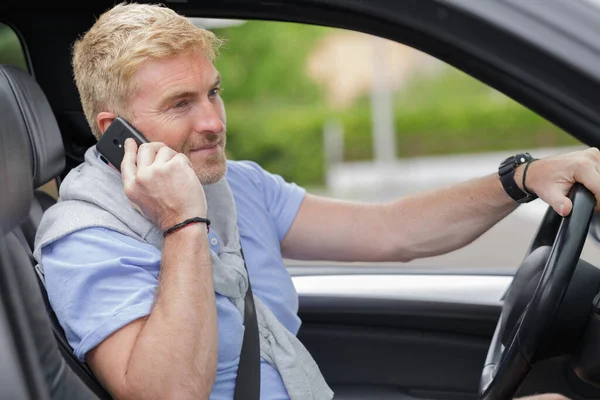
x=552, y=288
x=551, y=178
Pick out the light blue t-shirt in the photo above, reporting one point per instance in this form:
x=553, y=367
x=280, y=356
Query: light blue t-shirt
x=99, y=280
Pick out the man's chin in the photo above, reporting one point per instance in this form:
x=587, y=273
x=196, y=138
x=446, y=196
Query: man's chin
x=209, y=174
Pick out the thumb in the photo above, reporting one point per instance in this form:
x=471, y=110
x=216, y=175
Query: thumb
x=559, y=202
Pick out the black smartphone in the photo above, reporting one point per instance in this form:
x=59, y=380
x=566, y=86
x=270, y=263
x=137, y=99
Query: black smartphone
x=112, y=143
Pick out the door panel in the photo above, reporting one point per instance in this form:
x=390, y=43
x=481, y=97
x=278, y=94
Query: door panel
x=406, y=335
x=389, y=336
x=392, y=360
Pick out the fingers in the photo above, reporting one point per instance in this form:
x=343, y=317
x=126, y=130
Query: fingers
x=559, y=202
x=547, y=396
x=560, y=173
x=128, y=165
x=164, y=154
x=181, y=158
x=587, y=174
x=147, y=153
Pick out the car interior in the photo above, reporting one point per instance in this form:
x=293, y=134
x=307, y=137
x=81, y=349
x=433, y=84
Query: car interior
x=419, y=340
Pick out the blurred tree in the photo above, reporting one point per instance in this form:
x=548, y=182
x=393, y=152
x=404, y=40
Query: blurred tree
x=11, y=51
x=266, y=62
x=276, y=113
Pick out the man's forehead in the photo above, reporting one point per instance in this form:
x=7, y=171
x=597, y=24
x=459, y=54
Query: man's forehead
x=184, y=69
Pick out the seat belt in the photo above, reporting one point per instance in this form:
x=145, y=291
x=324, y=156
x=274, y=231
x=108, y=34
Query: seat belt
x=247, y=382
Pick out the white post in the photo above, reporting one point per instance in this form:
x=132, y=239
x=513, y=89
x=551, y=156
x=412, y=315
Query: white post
x=333, y=146
x=382, y=112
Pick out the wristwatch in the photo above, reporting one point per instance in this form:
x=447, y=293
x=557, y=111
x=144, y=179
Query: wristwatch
x=506, y=171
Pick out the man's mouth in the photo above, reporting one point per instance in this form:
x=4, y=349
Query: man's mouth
x=208, y=148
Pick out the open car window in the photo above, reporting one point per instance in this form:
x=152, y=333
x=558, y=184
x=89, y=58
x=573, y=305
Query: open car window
x=11, y=50
x=352, y=116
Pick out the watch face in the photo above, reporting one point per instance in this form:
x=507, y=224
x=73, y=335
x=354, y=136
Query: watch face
x=522, y=158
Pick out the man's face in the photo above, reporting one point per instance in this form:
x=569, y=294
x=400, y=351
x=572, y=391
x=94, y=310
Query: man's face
x=178, y=103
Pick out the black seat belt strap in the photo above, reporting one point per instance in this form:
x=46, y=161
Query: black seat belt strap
x=247, y=383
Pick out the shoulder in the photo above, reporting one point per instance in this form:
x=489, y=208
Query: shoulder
x=247, y=176
x=74, y=219
x=95, y=244
x=245, y=169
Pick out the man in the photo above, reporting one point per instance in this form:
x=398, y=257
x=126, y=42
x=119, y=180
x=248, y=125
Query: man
x=156, y=313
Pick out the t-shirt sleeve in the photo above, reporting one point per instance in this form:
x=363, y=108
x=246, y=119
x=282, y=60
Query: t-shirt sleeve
x=283, y=199
x=98, y=281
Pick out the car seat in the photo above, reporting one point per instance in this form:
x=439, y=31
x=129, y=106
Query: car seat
x=31, y=140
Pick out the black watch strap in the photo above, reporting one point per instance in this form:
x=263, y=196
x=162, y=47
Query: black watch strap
x=506, y=172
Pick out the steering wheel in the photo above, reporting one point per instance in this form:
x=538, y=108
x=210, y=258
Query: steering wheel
x=528, y=315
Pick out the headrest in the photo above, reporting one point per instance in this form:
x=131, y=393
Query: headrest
x=26, y=106
x=15, y=160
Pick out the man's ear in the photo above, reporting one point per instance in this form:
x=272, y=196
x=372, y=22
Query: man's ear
x=104, y=119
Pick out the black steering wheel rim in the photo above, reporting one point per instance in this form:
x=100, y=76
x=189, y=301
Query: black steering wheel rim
x=505, y=368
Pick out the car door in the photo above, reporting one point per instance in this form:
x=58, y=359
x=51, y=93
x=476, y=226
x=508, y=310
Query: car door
x=420, y=328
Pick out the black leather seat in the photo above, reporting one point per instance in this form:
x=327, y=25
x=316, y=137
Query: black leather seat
x=33, y=154
x=39, y=125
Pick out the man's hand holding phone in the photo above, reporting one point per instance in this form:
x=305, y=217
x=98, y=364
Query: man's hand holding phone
x=161, y=183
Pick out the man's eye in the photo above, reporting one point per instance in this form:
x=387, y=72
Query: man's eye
x=181, y=104
x=214, y=92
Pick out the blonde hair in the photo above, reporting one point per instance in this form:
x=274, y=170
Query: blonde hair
x=107, y=57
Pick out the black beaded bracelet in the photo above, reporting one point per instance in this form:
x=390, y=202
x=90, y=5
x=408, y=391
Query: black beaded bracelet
x=525, y=176
x=187, y=222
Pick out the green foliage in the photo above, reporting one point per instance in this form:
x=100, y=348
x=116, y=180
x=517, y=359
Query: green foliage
x=265, y=61
x=11, y=51
x=284, y=139
x=453, y=113
x=276, y=113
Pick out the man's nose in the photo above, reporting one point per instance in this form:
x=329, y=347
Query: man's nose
x=210, y=118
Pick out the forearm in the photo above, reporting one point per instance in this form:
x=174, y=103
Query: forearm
x=175, y=354
x=420, y=225
x=439, y=221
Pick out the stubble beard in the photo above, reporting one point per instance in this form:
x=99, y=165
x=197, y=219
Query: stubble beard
x=213, y=167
